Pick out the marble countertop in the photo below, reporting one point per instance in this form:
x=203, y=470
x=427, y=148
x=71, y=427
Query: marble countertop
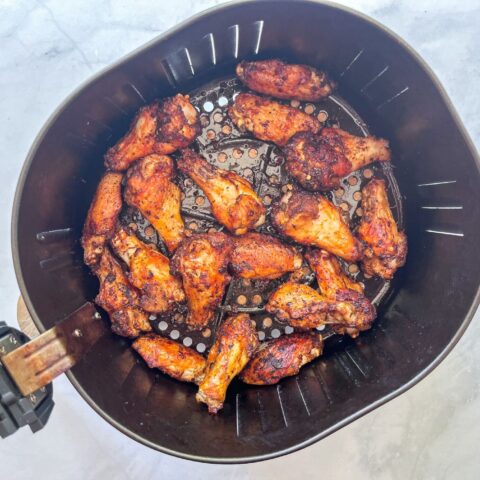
x=430, y=432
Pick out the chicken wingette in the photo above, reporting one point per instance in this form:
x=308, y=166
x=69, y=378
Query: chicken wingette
x=119, y=298
x=102, y=217
x=149, y=271
x=151, y=190
x=319, y=162
x=310, y=219
x=283, y=80
x=282, y=357
x=161, y=128
x=172, y=358
x=269, y=120
x=234, y=202
x=259, y=256
x=385, y=245
x=235, y=342
x=335, y=284
x=202, y=261
x=304, y=308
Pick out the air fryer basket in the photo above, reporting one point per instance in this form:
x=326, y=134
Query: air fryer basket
x=421, y=316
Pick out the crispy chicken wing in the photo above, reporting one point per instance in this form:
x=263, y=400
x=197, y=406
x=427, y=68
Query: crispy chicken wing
x=150, y=189
x=161, y=128
x=283, y=80
x=318, y=162
x=303, y=307
x=235, y=343
x=202, y=262
x=385, y=246
x=335, y=284
x=172, y=358
x=259, y=256
x=234, y=202
x=149, y=272
x=310, y=219
x=119, y=299
x=282, y=357
x=102, y=217
x=268, y=120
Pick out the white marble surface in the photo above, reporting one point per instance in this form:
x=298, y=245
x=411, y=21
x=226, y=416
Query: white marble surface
x=431, y=432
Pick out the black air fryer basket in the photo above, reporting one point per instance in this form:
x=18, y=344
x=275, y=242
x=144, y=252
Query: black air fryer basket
x=384, y=88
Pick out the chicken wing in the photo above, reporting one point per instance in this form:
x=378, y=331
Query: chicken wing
x=268, y=120
x=172, y=358
x=310, y=219
x=283, y=80
x=119, y=299
x=102, y=217
x=234, y=202
x=202, y=262
x=303, y=307
x=161, y=128
x=259, y=256
x=150, y=189
x=235, y=343
x=385, y=246
x=319, y=162
x=282, y=357
x=336, y=285
x=149, y=272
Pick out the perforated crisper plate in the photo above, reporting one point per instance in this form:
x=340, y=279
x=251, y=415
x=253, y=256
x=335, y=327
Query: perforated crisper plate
x=262, y=164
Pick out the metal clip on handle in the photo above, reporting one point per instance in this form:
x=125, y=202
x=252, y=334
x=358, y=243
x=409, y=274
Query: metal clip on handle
x=27, y=367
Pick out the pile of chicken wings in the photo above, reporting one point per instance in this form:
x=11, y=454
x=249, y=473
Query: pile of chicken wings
x=137, y=280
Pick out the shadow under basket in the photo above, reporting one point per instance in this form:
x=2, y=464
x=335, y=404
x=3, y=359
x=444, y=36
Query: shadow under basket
x=422, y=314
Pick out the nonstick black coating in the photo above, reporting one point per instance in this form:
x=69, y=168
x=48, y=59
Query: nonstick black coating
x=432, y=300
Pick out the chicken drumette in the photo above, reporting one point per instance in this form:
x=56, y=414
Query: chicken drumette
x=235, y=343
x=310, y=219
x=282, y=357
x=336, y=285
x=149, y=272
x=385, y=246
x=202, y=262
x=234, y=202
x=120, y=299
x=150, y=189
x=283, y=80
x=269, y=120
x=303, y=307
x=172, y=358
x=259, y=256
x=161, y=128
x=102, y=218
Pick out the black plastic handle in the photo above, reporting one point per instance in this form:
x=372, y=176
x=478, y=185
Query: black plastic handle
x=16, y=410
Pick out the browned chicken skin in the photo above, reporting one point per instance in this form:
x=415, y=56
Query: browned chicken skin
x=259, y=256
x=303, y=307
x=150, y=189
x=318, y=162
x=235, y=343
x=283, y=80
x=172, y=358
x=234, y=202
x=336, y=285
x=149, y=272
x=102, y=217
x=161, y=128
x=385, y=246
x=269, y=120
x=119, y=299
x=202, y=262
x=282, y=357
x=310, y=219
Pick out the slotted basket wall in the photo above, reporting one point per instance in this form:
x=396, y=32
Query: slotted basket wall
x=423, y=315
